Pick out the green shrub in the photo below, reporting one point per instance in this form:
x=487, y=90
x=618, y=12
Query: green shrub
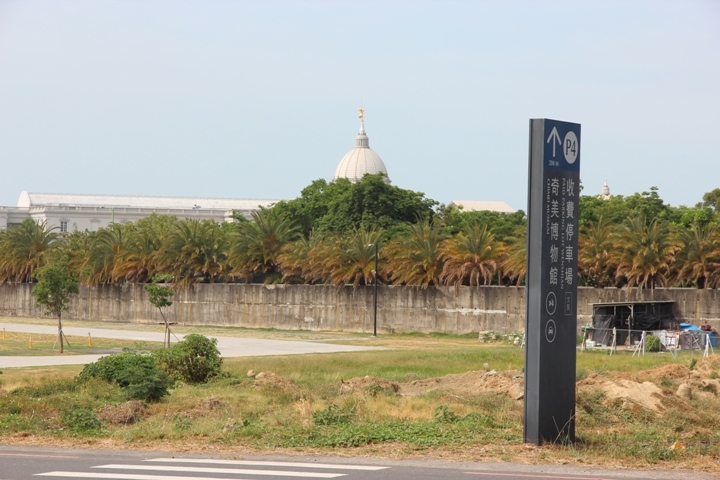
x=81, y=420
x=138, y=375
x=195, y=359
x=334, y=415
x=652, y=343
x=444, y=415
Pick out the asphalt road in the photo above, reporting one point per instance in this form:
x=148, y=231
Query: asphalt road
x=228, y=346
x=24, y=463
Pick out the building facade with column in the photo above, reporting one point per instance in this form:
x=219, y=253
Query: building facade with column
x=73, y=212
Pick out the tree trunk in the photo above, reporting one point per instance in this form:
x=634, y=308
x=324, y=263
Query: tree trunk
x=166, y=337
x=60, y=334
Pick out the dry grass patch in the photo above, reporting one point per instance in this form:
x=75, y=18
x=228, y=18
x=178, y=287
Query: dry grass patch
x=124, y=414
x=13, y=378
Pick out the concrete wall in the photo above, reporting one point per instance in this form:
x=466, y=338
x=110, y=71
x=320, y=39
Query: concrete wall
x=402, y=309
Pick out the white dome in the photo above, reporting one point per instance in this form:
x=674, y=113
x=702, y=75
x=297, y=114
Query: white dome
x=605, y=192
x=360, y=160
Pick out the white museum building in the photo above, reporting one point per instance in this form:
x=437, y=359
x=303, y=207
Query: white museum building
x=71, y=212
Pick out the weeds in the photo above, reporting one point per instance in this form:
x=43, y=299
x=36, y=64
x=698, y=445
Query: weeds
x=652, y=343
x=81, y=421
x=334, y=415
x=444, y=415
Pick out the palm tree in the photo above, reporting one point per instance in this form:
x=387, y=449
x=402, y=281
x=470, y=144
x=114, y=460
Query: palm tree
x=595, y=257
x=292, y=257
x=310, y=259
x=471, y=257
x=25, y=248
x=74, y=249
x=317, y=266
x=515, y=264
x=140, y=260
x=416, y=259
x=645, y=254
x=195, y=250
x=107, y=245
x=699, y=258
x=353, y=258
x=258, y=244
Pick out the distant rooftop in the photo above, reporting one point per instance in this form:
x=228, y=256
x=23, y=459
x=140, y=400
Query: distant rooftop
x=479, y=206
x=29, y=199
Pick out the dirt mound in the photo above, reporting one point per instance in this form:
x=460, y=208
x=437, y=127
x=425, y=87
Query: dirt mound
x=592, y=380
x=623, y=387
x=508, y=383
x=673, y=371
x=646, y=394
x=123, y=414
x=203, y=409
x=647, y=388
x=707, y=365
x=273, y=380
x=368, y=383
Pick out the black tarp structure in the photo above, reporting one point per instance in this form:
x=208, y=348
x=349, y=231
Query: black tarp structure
x=603, y=325
x=630, y=319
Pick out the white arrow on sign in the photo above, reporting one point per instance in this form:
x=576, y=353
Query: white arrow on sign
x=554, y=134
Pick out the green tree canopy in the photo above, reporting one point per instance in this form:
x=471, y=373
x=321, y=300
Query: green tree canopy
x=159, y=295
x=617, y=209
x=56, y=285
x=342, y=206
x=501, y=225
x=711, y=199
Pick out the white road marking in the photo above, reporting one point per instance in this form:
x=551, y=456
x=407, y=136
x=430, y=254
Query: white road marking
x=125, y=476
x=235, y=471
x=267, y=464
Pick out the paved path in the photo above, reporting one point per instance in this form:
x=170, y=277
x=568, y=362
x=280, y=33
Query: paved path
x=228, y=346
x=33, y=463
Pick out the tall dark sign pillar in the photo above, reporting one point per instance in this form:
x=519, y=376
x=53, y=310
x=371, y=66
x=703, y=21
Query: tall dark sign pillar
x=551, y=302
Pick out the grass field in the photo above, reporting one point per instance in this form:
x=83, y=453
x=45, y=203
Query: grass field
x=424, y=395
x=25, y=344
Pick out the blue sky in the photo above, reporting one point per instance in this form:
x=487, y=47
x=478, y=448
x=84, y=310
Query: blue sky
x=258, y=99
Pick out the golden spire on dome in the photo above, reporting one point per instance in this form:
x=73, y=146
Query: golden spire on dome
x=362, y=113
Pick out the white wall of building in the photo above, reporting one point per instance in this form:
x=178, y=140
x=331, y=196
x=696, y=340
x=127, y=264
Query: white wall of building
x=69, y=213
